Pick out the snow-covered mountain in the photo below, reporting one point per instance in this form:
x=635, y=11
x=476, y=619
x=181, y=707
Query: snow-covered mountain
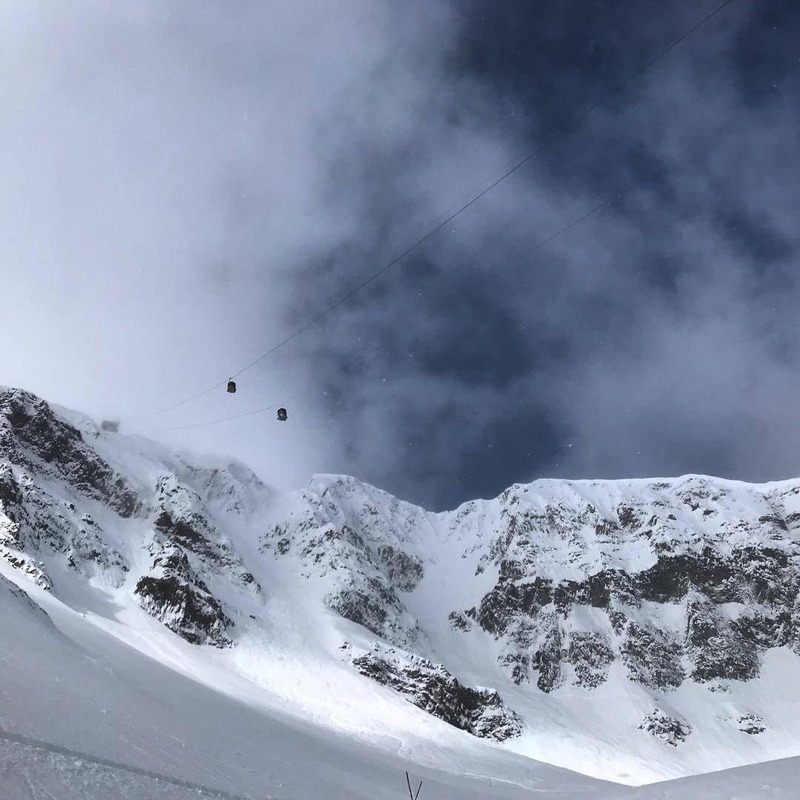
x=628, y=630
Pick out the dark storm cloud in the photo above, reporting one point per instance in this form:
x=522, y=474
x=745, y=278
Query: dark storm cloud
x=642, y=341
x=480, y=340
x=555, y=59
x=767, y=64
x=753, y=232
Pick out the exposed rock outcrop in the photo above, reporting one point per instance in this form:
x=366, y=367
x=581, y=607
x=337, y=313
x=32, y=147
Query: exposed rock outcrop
x=432, y=688
x=63, y=504
x=669, y=729
x=33, y=436
x=177, y=596
x=729, y=572
x=339, y=536
x=751, y=724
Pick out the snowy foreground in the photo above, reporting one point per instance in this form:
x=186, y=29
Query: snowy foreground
x=87, y=716
x=170, y=630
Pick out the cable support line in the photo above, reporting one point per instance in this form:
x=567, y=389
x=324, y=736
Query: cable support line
x=221, y=419
x=179, y=403
x=566, y=129
x=591, y=212
x=261, y=410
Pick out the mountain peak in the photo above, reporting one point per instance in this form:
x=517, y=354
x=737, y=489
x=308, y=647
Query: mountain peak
x=558, y=605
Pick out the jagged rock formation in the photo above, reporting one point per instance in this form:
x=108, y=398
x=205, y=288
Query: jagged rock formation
x=670, y=730
x=751, y=724
x=175, y=594
x=687, y=544
x=432, y=688
x=63, y=504
x=566, y=585
x=34, y=516
x=185, y=545
x=357, y=547
x=32, y=436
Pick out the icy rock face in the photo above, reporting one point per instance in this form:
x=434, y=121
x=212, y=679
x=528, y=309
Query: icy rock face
x=675, y=579
x=183, y=520
x=233, y=489
x=62, y=504
x=187, y=545
x=175, y=594
x=357, y=539
x=751, y=724
x=432, y=688
x=35, y=520
x=670, y=730
x=33, y=437
x=40, y=453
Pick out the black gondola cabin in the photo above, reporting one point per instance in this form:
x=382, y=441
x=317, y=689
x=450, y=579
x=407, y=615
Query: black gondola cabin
x=282, y=416
x=232, y=387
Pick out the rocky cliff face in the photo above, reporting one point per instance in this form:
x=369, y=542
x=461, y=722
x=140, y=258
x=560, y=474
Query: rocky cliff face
x=62, y=504
x=354, y=538
x=579, y=584
x=691, y=581
x=433, y=688
x=33, y=437
x=688, y=580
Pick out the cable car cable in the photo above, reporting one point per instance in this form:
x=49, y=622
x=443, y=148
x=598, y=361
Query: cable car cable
x=566, y=129
x=274, y=406
x=263, y=409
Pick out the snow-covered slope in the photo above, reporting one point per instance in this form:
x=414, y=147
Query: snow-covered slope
x=628, y=630
x=640, y=629
x=93, y=712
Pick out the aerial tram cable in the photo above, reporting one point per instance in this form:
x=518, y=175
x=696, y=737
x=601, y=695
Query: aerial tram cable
x=279, y=408
x=231, y=384
x=281, y=412
x=566, y=129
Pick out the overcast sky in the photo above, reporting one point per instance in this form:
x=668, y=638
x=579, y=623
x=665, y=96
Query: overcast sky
x=185, y=184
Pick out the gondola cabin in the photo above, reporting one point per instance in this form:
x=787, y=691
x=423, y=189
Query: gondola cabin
x=232, y=387
x=282, y=416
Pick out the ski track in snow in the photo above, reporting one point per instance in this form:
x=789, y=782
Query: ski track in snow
x=80, y=759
